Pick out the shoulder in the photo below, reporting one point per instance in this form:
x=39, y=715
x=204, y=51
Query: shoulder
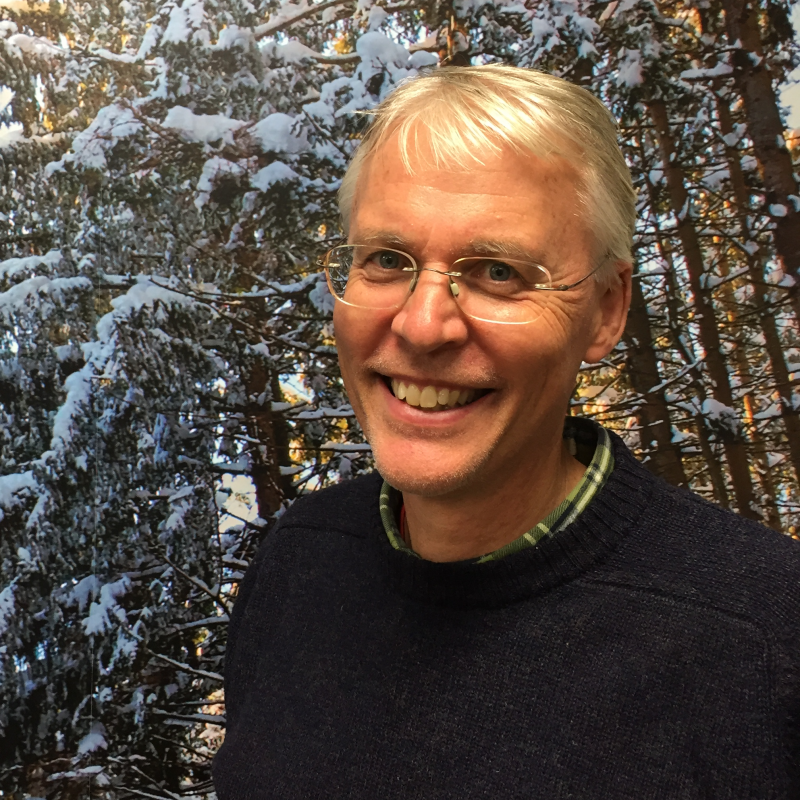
x=348, y=507
x=687, y=546
x=316, y=533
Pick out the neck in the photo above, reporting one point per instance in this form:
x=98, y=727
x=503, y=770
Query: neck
x=482, y=517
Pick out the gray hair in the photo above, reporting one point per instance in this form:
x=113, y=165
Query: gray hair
x=466, y=111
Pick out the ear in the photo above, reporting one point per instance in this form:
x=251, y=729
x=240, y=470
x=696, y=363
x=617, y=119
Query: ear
x=613, y=302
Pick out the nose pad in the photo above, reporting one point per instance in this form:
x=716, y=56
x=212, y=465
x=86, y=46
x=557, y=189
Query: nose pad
x=454, y=288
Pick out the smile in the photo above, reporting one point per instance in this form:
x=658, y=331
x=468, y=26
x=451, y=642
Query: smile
x=433, y=398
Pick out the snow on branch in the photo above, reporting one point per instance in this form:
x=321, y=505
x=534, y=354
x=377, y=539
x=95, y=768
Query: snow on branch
x=280, y=23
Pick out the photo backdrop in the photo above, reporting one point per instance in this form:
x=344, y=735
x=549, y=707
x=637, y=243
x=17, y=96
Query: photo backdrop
x=168, y=380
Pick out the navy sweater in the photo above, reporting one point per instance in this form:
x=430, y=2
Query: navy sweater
x=649, y=650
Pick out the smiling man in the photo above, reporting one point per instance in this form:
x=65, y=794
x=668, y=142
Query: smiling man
x=511, y=606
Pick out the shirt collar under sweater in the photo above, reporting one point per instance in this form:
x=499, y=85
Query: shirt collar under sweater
x=556, y=560
x=589, y=443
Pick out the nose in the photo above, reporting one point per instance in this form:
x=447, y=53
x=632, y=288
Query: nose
x=430, y=317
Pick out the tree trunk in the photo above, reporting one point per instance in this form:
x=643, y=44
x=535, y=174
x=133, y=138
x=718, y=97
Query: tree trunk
x=704, y=312
x=765, y=127
x=755, y=267
x=742, y=362
x=262, y=426
x=665, y=459
x=710, y=461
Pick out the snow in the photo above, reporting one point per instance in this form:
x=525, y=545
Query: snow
x=339, y=447
x=281, y=133
x=630, y=69
x=14, y=266
x=149, y=41
x=6, y=608
x=377, y=16
x=98, y=620
x=749, y=163
x=30, y=291
x=89, y=585
x=421, y=59
x=184, y=22
x=724, y=416
x=778, y=210
x=205, y=128
x=716, y=177
x=321, y=111
x=712, y=72
x=291, y=52
x=11, y=486
x=273, y=173
x=75, y=405
x=143, y=293
x=22, y=43
x=234, y=36
x=89, y=148
x=213, y=170
x=94, y=740
x=11, y=135
x=379, y=49
x=321, y=297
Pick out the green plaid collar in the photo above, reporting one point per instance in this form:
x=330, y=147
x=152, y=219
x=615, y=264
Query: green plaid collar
x=588, y=442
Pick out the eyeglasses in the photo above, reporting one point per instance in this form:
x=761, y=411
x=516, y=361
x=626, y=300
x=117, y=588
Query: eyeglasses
x=489, y=289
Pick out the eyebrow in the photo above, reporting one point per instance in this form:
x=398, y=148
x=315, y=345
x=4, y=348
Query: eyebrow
x=388, y=238
x=475, y=247
x=490, y=247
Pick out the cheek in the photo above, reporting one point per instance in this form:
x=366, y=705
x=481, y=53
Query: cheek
x=359, y=335
x=538, y=358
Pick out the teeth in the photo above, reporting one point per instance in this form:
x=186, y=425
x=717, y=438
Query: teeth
x=431, y=397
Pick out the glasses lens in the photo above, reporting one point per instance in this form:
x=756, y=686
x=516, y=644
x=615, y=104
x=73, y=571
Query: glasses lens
x=502, y=290
x=369, y=277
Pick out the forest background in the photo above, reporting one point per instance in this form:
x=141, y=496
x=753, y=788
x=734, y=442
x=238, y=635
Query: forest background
x=168, y=381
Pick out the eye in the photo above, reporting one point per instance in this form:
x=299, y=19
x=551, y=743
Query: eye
x=498, y=271
x=387, y=259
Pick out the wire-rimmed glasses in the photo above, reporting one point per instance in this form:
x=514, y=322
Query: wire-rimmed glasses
x=491, y=289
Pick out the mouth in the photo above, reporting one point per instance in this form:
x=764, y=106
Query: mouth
x=431, y=397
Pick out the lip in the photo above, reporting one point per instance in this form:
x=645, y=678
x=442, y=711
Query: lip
x=401, y=411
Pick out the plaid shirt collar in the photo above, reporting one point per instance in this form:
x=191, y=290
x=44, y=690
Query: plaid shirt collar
x=589, y=443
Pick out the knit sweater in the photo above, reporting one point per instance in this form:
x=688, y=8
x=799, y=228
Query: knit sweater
x=649, y=650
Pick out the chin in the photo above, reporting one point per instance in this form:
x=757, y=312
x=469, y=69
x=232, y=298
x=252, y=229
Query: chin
x=425, y=483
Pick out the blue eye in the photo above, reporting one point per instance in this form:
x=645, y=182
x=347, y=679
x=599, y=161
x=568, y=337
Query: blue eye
x=500, y=272
x=389, y=260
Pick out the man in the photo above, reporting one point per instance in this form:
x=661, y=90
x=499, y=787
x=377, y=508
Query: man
x=512, y=607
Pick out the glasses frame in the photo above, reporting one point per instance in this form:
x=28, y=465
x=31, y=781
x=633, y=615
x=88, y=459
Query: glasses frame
x=450, y=273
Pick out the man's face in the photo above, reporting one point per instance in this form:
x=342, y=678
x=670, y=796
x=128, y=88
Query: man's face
x=521, y=375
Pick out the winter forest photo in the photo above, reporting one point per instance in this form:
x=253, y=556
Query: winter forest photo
x=168, y=373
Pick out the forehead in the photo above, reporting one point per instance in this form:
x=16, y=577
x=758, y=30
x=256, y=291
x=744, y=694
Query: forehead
x=526, y=202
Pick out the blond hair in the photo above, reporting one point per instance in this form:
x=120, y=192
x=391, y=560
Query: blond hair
x=467, y=111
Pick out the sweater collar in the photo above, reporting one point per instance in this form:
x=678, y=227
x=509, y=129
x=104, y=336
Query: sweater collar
x=591, y=445
x=587, y=541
